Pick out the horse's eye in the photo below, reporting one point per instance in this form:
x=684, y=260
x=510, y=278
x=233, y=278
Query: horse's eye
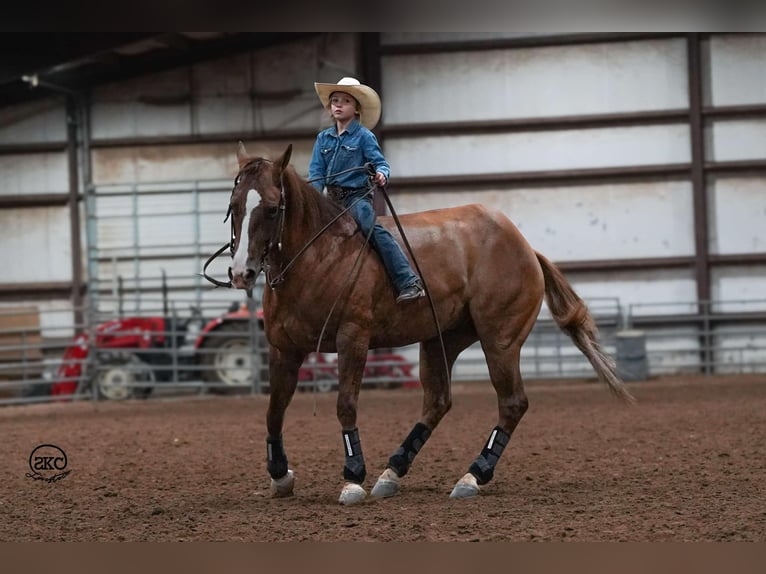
x=271, y=212
x=237, y=179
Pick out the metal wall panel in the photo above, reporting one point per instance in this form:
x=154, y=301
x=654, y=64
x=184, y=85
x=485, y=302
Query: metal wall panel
x=262, y=91
x=535, y=151
x=149, y=164
x=535, y=82
x=737, y=215
x=34, y=173
x=147, y=106
x=587, y=222
x=35, y=244
x=35, y=122
x=646, y=287
x=734, y=140
x=740, y=283
x=737, y=69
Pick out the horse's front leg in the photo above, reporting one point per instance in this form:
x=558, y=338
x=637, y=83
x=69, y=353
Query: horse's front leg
x=352, y=355
x=283, y=379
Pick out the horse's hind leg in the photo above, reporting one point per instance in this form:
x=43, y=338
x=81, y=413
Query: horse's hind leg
x=283, y=379
x=502, y=350
x=437, y=400
x=512, y=404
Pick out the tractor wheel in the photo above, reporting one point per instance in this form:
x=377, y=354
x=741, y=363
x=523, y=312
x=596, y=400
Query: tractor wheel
x=324, y=382
x=226, y=358
x=116, y=373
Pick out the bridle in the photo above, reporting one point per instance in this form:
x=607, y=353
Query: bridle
x=276, y=239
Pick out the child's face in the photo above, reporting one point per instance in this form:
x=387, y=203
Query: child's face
x=342, y=106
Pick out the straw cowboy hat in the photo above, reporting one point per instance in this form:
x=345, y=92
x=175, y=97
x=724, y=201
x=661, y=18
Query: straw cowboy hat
x=369, y=100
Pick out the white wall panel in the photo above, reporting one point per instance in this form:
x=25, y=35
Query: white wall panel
x=738, y=283
x=34, y=122
x=187, y=162
x=35, y=244
x=737, y=69
x=153, y=105
x=736, y=140
x=737, y=215
x=587, y=222
x=37, y=173
x=265, y=90
x=533, y=151
x=639, y=287
x=134, y=118
x=535, y=82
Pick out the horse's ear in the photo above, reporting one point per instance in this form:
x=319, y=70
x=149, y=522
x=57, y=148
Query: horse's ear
x=242, y=157
x=286, y=158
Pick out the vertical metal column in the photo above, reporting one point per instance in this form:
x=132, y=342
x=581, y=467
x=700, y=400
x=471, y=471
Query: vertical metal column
x=369, y=61
x=696, y=126
x=74, y=126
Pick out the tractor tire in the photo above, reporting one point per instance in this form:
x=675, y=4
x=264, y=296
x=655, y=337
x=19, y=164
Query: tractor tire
x=226, y=359
x=116, y=373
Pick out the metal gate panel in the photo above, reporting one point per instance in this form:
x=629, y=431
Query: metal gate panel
x=537, y=151
x=648, y=286
x=535, y=82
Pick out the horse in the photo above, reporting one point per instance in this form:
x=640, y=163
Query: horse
x=485, y=283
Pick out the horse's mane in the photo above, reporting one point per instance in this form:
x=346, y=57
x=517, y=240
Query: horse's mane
x=317, y=206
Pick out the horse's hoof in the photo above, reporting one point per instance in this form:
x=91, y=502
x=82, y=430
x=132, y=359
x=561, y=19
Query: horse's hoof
x=466, y=487
x=351, y=494
x=283, y=487
x=387, y=485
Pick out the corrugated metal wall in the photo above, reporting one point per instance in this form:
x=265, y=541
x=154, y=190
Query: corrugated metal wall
x=592, y=145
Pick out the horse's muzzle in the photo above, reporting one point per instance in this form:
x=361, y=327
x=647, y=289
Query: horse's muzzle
x=243, y=279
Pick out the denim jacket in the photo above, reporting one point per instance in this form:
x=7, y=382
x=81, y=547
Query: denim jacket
x=353, y=148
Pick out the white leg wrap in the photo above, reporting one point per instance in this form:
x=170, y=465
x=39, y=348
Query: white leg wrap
x=466, y=487
x=284, y=486
x=387, y=485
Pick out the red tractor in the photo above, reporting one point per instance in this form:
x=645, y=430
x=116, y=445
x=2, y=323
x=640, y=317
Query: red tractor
x=133, y=354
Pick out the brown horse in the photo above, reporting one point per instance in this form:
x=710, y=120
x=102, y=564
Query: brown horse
x=486, y=283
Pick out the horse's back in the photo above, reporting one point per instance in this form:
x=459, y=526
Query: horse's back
x=473, y=244
x=472, y=229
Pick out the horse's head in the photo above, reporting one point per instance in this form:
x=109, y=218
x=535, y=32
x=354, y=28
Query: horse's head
x=257, y=214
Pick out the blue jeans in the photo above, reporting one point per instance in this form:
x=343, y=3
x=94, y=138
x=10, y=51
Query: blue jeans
x=396, y=263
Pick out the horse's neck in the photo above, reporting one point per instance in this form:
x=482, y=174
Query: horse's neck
x=305, y=218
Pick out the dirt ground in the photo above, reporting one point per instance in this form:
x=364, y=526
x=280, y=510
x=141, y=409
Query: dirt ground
x=687, y=463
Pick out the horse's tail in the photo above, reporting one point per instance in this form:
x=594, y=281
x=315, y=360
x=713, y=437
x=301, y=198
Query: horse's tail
x=572, y=316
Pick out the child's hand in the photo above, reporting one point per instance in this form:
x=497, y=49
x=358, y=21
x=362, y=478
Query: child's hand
x=379, y=179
